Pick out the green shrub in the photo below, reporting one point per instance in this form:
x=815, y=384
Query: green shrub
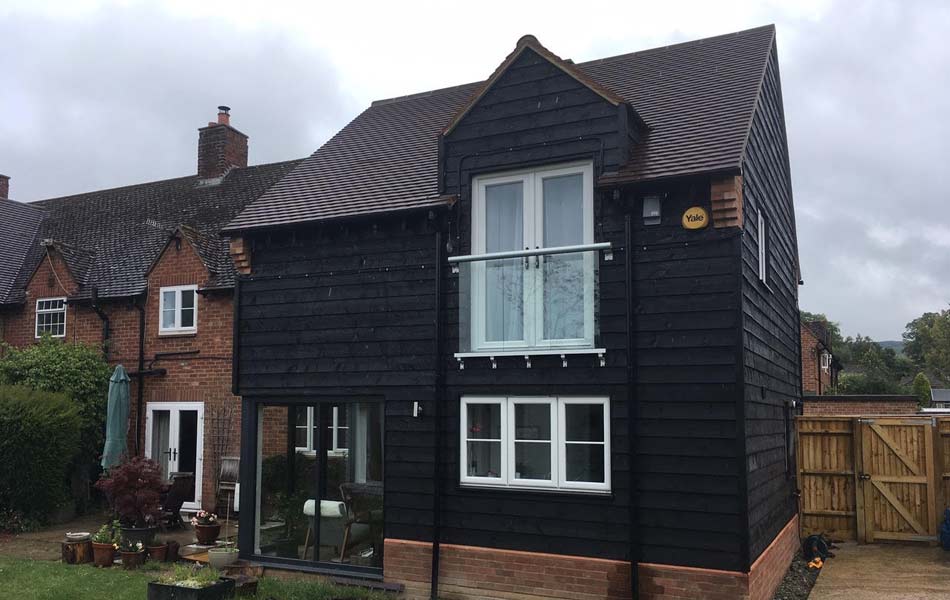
x=39, y=432
x=76, y=370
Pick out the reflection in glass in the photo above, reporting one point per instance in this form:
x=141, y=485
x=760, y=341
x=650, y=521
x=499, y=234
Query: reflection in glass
x=563, y=285
x=484, y=440
x=343, y=484
x=532, y=441
x=584, y=442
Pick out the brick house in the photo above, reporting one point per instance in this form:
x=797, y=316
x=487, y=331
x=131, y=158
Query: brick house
x=141, y=273
x=532, y=337
x=819, y=366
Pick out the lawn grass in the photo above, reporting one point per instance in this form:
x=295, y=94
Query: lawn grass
x=47, y=580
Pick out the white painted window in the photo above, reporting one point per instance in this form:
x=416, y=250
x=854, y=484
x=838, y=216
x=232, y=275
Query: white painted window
x=178, y=309
x=540, y=301
x=825, y=361
x=51, y=317
x=763, y=238
x=540, y=443
x=306, y=430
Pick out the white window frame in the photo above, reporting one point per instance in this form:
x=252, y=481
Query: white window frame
x=335, y=428
x=825, y=361
x=506, y=478
x=177, y=328
x=48, y=311
x=763, y=237
x=533, y=236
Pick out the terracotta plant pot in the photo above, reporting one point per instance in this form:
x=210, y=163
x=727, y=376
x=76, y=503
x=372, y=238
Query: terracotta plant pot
x=132, y=560
x=139, y=534
x=207, y=534
x=157, y=553
x=103, y=554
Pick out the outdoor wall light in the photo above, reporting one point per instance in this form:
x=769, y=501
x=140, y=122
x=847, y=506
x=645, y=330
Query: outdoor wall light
x=651, y=210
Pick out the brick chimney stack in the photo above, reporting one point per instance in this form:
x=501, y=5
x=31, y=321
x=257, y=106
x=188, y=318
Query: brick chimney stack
x=220, y=147
x=4, y=186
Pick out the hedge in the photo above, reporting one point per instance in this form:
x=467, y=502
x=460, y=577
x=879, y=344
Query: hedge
x=39, y=436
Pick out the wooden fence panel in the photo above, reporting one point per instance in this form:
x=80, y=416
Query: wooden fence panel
x=943, y=466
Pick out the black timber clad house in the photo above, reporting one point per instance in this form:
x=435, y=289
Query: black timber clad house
x=631, y=400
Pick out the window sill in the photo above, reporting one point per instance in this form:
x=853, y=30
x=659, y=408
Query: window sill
x=538, y=489
x=183, y=333
x=528, y=353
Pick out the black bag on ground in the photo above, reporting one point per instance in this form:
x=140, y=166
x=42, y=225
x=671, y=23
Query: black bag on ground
x=815, y=546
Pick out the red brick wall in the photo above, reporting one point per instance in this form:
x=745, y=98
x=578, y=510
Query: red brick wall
x=831, y=406
x=469, y=572
x=769, y=569
x=811, y=365
x=205, y=377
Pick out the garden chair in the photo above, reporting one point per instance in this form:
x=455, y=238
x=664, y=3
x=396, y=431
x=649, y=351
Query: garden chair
x=183, y=484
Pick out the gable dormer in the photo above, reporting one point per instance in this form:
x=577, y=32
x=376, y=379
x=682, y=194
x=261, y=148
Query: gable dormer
x=536, y=109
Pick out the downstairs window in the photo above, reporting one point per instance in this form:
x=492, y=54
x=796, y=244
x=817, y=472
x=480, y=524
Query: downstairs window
x=560, y=443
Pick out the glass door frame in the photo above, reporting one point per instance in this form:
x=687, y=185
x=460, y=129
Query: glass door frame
x=249, y=519
x=174, y=429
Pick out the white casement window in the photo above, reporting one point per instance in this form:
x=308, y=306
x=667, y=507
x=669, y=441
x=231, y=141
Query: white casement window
x=51, y=317
x=306, y=431
x=178, y=309
x=825, y=361
x=540, y=443
x=763, y=238
x=539, y=301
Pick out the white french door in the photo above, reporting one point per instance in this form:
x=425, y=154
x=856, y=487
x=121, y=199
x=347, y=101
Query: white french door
x=538, y=301
x=174, y=434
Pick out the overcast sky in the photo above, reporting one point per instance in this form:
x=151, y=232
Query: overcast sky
x=101, y=94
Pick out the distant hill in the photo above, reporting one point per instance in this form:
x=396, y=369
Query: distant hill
x=896, y=345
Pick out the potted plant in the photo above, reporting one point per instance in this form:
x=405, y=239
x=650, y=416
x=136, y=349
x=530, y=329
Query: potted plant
x=206, y=527
x=104, y=544
x=191, y=583
x=132, y=488
x=132, y=553
x=157, y=551
x=227, y=554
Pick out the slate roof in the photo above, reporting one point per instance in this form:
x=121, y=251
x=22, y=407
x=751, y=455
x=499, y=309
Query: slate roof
x=20, y=223
x=696, y=98
x=110, y=238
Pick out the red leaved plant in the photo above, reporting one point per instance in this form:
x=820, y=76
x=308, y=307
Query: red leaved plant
x=133, y=490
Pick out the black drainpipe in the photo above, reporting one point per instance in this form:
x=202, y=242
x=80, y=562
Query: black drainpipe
x=106, y=332
x=439, y=399
x=140, y=376
x=632, y=407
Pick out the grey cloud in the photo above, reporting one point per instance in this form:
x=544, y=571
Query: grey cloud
x=117, y=98
x=866, y=102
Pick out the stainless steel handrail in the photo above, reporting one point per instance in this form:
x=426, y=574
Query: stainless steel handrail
x=529, y=252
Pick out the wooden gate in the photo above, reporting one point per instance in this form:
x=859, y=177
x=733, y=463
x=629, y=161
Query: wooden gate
x=897, y=477
x=874, y=478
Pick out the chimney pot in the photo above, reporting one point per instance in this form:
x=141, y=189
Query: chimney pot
x=224, y=115
x=4, y=186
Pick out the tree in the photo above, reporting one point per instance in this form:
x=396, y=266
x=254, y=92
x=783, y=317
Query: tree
x=927, y=343
x=921, y=389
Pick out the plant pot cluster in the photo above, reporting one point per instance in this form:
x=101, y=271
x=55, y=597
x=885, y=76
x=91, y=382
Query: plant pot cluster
x=133, y=545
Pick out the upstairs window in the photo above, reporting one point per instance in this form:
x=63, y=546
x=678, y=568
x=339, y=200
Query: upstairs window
x=51, y=317
x=178, y=309
x=544, y=301
x=538, y=443
x=763, y=238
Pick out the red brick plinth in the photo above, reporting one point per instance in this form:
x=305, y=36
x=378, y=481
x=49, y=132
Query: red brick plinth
x=469, y=572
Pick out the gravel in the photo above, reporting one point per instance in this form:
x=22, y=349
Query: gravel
x=798, y=580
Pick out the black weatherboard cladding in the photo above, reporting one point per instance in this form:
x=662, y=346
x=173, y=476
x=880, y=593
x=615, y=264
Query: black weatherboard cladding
x=772, y=367
x=345, y=308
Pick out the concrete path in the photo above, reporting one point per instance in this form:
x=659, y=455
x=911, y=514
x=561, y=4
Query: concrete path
x=884, y=572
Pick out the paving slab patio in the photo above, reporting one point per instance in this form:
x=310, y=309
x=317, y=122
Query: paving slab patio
x=884, y=572
x=46, y=543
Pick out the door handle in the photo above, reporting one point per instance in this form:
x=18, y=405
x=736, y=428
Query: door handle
x=175, y=454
